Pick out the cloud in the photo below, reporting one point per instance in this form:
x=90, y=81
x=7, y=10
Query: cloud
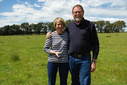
x=105, y=19
x=107, y=12
x=47, y=10
x=42, y=0
x=1, y=0
x=36, y=5
x=20, y=13
x=111, y=3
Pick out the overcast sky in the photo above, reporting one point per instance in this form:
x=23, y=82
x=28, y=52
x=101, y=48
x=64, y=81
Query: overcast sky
x=34, y=11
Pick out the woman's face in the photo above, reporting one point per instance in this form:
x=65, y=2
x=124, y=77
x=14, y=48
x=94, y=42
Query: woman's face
x=59, y=25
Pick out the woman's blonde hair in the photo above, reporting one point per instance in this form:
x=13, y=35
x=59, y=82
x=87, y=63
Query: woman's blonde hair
x=58, y=19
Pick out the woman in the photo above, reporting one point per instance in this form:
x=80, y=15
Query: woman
x=57, y=48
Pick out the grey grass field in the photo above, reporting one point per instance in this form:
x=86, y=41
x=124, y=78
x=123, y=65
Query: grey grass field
x=23, y=61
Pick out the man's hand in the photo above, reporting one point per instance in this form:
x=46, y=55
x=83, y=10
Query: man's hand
x=93, y=66
x=48, y=35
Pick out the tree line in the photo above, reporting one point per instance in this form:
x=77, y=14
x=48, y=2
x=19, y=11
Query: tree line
x=107, y=27
x=26, y=28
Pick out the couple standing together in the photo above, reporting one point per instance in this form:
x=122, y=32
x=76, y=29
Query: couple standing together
x=73, y=48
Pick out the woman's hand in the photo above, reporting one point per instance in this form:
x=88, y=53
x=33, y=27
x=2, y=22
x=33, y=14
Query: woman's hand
x=55, y=52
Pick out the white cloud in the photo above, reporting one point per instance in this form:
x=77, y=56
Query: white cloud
x=18, y=10
x=11, y=20
x=113, y=3
x=105, y=19
x=36, y=5
x=21, y=13
x=50, y=9
x=41, y=0
x=120, y=3
x=1, y=0
x=107, y=12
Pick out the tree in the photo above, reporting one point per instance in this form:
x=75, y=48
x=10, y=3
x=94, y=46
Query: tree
x=107, y=27
x=32, y=26
x=100, y=26
x=118, y=26
x=25, y=28
x=15, y=29
x=6, y=30
x=51, y=27
x=68, y=21
x=36, y=28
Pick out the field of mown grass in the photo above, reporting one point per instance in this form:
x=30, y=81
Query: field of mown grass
x=23, y=62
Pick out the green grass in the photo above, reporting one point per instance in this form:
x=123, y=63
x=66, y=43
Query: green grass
x=23, y=62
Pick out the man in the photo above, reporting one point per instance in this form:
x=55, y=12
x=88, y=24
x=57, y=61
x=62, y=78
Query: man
x=83, y=47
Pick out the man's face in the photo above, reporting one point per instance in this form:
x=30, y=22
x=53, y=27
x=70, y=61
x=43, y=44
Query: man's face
x=77, y=14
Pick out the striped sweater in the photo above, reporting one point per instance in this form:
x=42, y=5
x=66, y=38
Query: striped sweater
x=59, y=43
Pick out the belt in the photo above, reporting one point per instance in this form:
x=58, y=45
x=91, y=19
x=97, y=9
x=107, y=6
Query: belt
x=80, y=56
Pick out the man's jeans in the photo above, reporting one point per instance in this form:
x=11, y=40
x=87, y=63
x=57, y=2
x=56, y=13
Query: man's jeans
x=80, y=71
x=52, y=71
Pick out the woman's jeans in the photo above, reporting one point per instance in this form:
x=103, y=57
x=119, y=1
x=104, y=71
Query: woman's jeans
x=80, y=71
x=63, y=69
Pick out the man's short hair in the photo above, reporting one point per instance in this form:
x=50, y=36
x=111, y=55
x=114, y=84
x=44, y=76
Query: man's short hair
x=77, y=5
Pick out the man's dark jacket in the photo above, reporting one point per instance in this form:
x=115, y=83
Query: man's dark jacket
x=83, y=39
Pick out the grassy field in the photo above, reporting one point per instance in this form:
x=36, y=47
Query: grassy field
x=23, y=62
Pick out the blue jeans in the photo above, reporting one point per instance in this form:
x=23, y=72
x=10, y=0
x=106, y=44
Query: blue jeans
x=63, y=72
x=80, y=71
